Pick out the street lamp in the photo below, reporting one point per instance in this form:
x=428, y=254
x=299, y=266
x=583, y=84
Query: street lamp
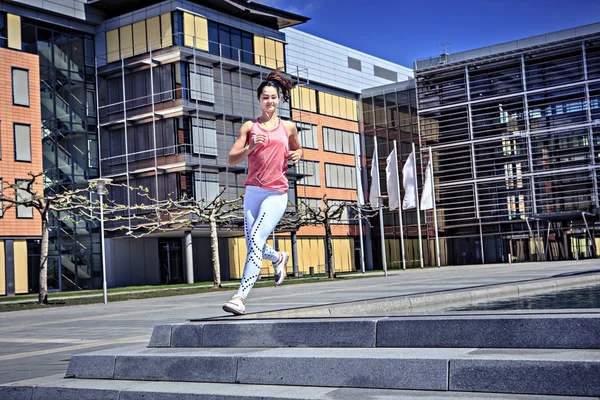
x=101, y=190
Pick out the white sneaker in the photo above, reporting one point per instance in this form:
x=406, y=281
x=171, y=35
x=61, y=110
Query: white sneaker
x=235, y=305
x=279, y=267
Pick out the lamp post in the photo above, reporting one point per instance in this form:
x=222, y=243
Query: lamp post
x=101, y=189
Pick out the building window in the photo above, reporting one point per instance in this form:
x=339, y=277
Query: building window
x=3, y=31
x=23, y=194
x=268, y=52
x=22, y=134
x=308, y=135
x=204, y=136
x=202, y=86
x=347, y=216
x=311, y=170
x=234, y=43
x=206, y=187
x=355, y=64
x=339, y=141
x=340, y=176
x=20, y=87
x=386, y=74
x=90, y=104
x=313, y=204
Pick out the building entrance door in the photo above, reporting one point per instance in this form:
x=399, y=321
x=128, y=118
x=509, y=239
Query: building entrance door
x=54, y=271
x=171, y=261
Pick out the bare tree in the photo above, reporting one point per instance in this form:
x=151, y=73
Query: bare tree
x=217, y=213
x=30, y=193
x=323, y=216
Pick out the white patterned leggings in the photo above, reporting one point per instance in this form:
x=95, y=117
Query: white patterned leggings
x=263, y=209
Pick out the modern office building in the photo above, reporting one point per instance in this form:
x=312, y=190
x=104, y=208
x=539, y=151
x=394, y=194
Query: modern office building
x=153, y=93
x=513, y=132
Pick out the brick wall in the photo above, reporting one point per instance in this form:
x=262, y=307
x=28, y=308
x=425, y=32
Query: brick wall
x=10, y=169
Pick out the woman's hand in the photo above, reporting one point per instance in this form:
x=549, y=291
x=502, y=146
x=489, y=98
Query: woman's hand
x=294, y=156
x=256, y=140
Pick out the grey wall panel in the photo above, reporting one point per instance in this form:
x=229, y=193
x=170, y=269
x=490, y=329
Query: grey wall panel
x=152, y=262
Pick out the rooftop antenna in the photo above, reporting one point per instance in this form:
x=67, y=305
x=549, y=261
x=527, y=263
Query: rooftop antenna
x=444, y=50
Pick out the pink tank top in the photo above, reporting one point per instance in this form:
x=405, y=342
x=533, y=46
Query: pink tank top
x=267, y=164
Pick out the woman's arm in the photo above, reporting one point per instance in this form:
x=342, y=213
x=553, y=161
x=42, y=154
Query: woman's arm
x=241, y=149
x=295, y=153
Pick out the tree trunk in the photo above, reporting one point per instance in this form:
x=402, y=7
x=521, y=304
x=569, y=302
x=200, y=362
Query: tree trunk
x=329, y=261
x=214, y=245
x=43, y=298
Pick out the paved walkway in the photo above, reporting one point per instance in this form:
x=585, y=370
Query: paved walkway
x=37, y=343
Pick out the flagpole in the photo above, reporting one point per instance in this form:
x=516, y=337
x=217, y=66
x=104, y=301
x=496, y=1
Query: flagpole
x=360, y=203
x=381, y=228
x=418, y=212
x=435, y=220
x=400, y=209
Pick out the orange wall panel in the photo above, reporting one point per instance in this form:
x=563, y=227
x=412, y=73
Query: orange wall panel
x=10, y=169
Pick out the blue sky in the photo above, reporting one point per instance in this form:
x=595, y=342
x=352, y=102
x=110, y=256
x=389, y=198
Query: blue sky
x=402, y=31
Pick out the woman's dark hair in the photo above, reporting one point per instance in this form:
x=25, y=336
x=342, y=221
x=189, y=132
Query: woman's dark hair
x=278, y=81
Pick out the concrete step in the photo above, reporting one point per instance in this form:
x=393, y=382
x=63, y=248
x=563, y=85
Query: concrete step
x=56, y=387
x=545, y=330
x=526, y=371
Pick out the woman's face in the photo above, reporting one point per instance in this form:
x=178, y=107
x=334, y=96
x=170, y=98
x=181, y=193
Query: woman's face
x=269, y=99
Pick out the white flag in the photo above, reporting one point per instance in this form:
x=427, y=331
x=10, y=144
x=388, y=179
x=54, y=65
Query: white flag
x=360, y=197
x=391, y=178
x=375, y=191
x=409, y=183
x=427, y=195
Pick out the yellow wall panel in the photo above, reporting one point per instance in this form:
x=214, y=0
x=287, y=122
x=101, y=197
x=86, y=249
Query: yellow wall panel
x=126, y=40
x=21, y=283
x=13, y=23
x=112, y=45
x=259, y=50
x=279, y=54
x=2, y=270
x=329, y=103
x=343, y=108
x=201, y=28
x=271, y=62
x=313, y=100
x=322, y=103
x=166, y=30
x=335, y=101
x=343, y=252
x=153, y=29
x=188, y=30
x=350, y=109
x=140, y=43
x=296, y=97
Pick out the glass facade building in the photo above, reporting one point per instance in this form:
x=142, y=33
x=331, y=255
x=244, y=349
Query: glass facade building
x=515, y=146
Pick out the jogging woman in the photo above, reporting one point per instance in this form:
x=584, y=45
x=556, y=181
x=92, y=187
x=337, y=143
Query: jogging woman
x=269, y=143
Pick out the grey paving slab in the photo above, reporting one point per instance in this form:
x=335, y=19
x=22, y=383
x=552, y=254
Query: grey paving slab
x=161, y=336
x=570, y=378
x=360, y=368
x=92, y=367
x=533, y=331
x=186, y=335
x=290, y=333
x=16, y=392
